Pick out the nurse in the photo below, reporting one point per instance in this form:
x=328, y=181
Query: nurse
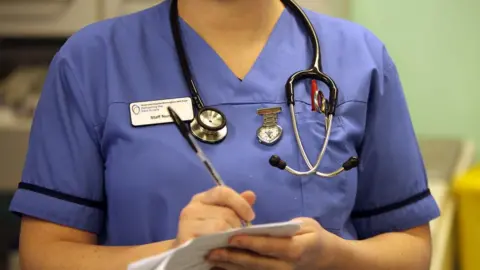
x=99, y=192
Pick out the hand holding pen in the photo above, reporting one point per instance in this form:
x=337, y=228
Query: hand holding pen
x=218, y=209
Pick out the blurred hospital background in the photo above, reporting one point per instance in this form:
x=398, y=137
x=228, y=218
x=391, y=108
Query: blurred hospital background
x=435, y=43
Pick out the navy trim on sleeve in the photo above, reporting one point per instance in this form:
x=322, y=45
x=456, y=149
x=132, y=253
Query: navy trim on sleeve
x=62, y=196
x=391, y=207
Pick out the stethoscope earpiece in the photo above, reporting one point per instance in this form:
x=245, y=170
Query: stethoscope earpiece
x=277, y=162
x=351, y=163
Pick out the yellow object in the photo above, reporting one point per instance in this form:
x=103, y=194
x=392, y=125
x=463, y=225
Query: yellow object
x=467, y=190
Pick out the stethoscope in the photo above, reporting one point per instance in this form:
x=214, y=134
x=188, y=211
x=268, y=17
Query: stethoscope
x=210, y=125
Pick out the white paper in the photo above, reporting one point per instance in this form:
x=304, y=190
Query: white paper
x=191, y=255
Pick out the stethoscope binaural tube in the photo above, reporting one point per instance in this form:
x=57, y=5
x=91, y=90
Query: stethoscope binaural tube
x=328, y=107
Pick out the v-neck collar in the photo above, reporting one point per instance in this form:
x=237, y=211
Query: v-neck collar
x=216, y=82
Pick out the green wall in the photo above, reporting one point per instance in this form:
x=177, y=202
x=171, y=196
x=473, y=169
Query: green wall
x=436, y=45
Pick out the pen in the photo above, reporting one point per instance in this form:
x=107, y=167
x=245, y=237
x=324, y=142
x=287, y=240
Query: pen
x=191, y=141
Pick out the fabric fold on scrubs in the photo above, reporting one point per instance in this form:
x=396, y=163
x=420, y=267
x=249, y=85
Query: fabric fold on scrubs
x=62, y=181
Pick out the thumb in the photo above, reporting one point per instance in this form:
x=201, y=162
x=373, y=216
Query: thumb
x=249, y=196
x=307, y=225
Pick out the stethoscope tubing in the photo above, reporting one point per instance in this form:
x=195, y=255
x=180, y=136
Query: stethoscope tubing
x=313, y=169
x=182, y=55
x=317, y=59
x=314, y=72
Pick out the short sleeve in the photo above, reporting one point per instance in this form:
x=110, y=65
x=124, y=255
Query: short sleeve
x=393, y=193
x=62, y=180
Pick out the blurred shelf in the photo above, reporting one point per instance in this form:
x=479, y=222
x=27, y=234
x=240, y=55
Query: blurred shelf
x=10, y=122
x=14, y=134
x=46, y=17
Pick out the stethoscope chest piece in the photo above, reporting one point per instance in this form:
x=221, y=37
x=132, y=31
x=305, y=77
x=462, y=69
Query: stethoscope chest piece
x=209, y=126
x=270, y=132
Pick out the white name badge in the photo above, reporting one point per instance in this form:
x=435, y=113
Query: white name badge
x=156, y=112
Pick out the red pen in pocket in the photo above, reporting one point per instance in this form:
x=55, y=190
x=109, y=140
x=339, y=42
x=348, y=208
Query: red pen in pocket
x=312, y=93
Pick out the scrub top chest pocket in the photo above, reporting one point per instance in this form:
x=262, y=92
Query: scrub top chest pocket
x=328, y=200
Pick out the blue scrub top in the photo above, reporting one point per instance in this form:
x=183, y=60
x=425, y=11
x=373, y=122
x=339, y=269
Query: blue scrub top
x=88, y=168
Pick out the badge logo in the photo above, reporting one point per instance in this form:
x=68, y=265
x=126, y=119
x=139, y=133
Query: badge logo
x=136, y=109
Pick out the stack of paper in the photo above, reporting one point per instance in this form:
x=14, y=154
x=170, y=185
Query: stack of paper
x=191, y=255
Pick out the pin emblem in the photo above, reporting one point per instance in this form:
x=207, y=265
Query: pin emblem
x=270, y=132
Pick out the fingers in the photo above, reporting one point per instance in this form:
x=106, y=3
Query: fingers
x=200, y=228
x=283, y=248
x=250, y=197
x=227, y=197
x=241, y=260
x=211, y=212
x=199, y=225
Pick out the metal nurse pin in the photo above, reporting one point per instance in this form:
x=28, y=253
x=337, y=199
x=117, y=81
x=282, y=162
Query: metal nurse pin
x=270, y=132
